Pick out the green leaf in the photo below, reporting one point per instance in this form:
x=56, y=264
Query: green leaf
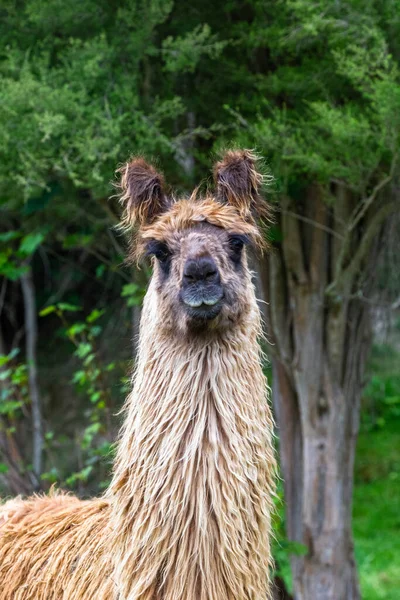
x=4, y=358
x=14, y=353
x=12, y=271
x=93, y=429
x=77, y=240
x=94, y=315
x=48, y=310
x=10, y=407
x=100, y=271
x=133, y=292
x=84, y=474
x=79, y=377
x=51, y=476
x=30, y=243
x=83, y=350
x=5, y=374
x=94, y=397
x=134, y=301
x=89, y=358
x=75, y=329
x=64, y=306
x=129, y=289
x=7, y=236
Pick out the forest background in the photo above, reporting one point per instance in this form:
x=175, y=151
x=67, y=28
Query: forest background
x=314, y=87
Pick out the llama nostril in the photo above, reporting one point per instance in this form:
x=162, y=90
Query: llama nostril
x=200, y=269
x=210, y=275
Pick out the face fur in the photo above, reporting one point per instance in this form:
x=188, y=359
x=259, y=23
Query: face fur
x=201, y=277
x=197, y=245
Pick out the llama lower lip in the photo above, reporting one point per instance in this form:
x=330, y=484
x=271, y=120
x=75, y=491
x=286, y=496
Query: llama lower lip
x=204, y=312
x=212, y=301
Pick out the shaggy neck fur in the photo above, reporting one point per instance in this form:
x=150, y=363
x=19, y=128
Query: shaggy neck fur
x=192, y=492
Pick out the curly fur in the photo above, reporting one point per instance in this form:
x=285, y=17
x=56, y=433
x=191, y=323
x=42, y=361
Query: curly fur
x=188, y=513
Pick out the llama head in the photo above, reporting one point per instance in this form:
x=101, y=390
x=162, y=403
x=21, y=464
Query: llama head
x=201, y=281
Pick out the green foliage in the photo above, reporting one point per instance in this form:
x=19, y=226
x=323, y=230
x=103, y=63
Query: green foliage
x=183, y=53
x=30, y=243
x=14, y=404
x=14, y=258
x=133, y=294
x=13, y=396
x=91, y=379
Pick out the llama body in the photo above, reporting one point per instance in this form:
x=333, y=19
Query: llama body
x=187, y=514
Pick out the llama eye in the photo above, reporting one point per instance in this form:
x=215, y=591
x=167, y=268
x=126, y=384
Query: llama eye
x=160, y=250
x=236, y=243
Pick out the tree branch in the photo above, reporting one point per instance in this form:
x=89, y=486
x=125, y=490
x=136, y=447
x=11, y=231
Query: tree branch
x=360, y=212
x=311, y=222
x=348, y=273
x=28, y=291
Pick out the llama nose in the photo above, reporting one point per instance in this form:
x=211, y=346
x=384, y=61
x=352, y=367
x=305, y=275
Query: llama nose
x=200, y=269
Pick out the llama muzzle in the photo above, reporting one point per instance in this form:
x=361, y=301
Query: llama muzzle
x=201, y=290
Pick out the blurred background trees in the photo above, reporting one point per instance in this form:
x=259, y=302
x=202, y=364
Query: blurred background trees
x=315, y=88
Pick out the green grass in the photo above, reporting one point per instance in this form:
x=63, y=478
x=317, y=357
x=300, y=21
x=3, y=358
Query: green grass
x=376, y=514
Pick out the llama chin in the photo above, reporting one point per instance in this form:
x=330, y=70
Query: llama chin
x=188, y=512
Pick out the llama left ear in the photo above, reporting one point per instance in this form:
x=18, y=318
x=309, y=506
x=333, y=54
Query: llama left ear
x=238, y=181
x=143, y=193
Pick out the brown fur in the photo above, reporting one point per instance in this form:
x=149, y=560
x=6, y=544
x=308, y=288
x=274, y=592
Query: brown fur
x=143, y=192
x=188, y=512
x=55, y=548
x=187, y=213
x=239, y=181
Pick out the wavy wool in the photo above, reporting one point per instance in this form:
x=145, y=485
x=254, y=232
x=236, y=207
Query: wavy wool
x=187, y=515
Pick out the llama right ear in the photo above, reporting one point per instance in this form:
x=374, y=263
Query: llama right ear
x=143, y=193
x=239, y=178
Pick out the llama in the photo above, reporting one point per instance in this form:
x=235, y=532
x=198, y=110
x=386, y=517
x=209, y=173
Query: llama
x=187, y=515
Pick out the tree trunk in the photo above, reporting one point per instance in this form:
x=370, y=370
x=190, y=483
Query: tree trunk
x=319, y=346
x=28, y=291
x=318, y=489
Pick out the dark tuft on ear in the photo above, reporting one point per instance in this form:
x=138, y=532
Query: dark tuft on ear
x=142, y=193
x=239, y=179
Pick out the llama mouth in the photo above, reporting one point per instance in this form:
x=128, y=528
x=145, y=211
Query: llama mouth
x=204, y=312
x=202, y=305
x=201, y=298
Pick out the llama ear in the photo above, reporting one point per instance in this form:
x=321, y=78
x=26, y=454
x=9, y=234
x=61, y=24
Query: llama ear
x=142, y=193
x=239, y=180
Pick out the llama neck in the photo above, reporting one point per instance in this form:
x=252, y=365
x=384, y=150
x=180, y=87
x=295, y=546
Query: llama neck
x=191, y=492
